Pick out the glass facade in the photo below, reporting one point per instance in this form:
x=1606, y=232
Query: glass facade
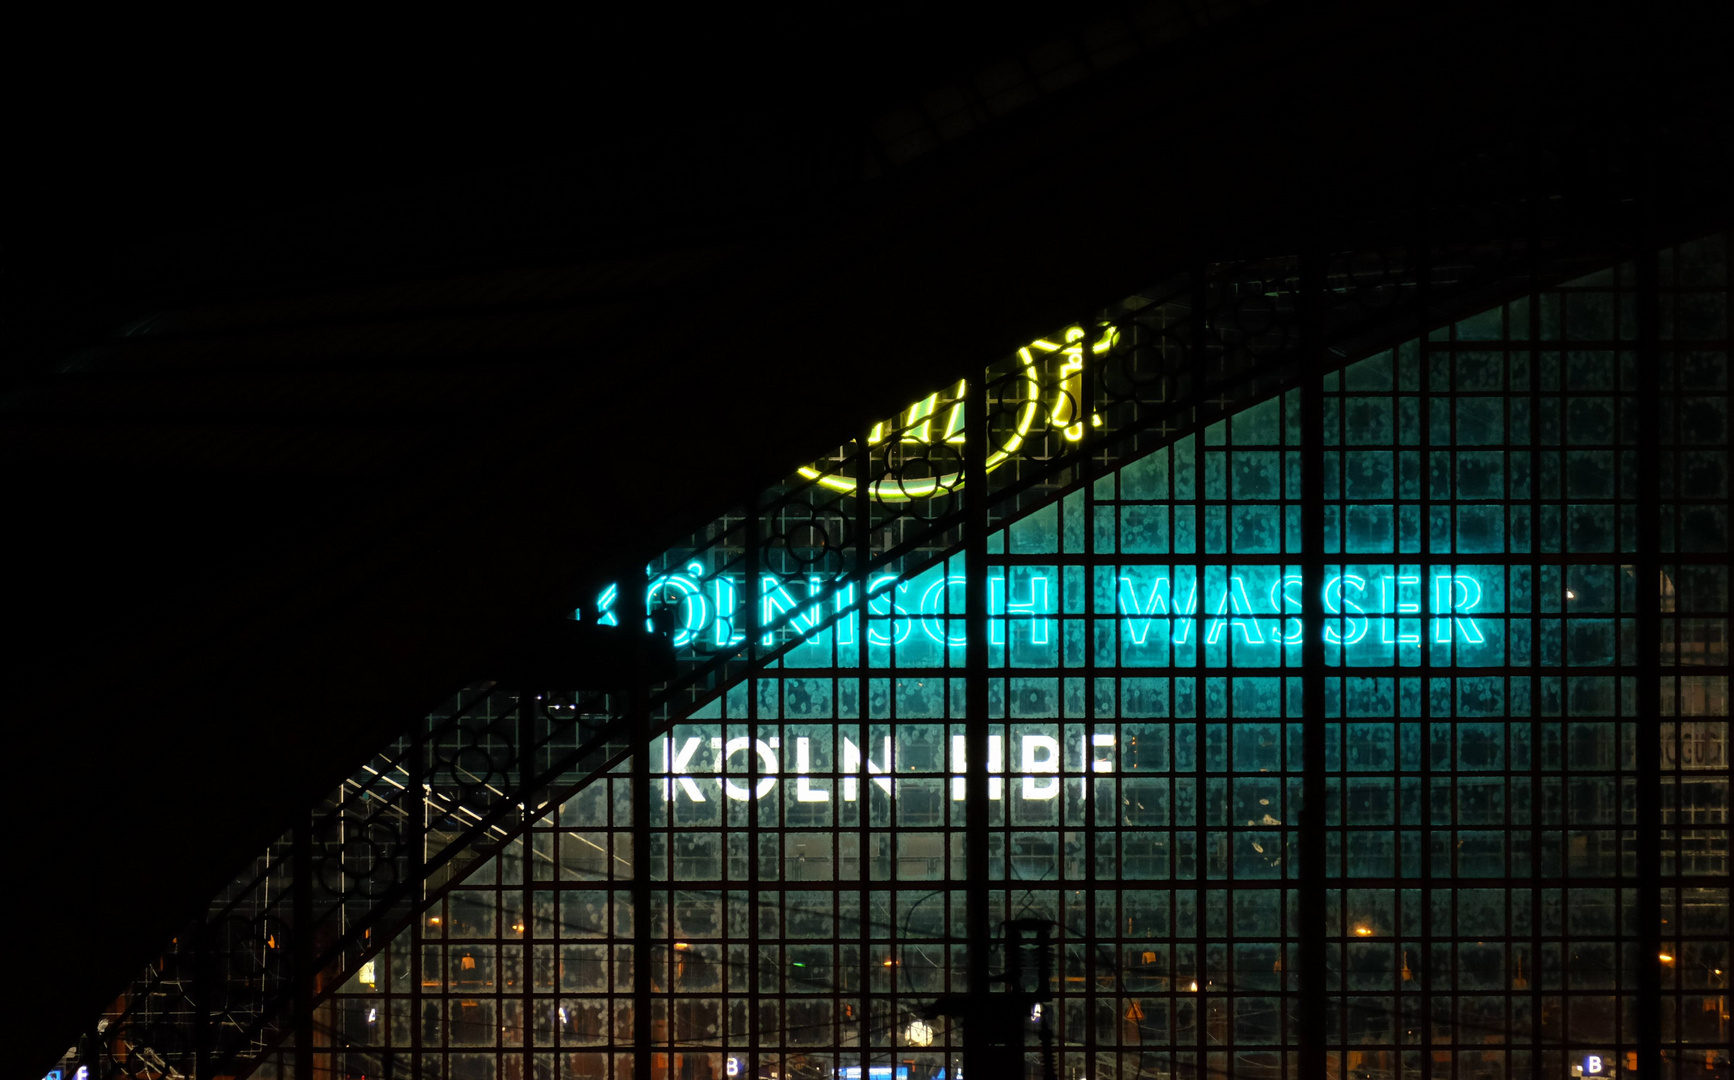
x=1505, y=637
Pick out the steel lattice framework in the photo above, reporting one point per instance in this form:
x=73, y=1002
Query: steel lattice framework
x=1498, y=841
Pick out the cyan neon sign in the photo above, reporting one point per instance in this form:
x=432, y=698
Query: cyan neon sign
x=1377, y=607
x=1353, y=606
x=708, y=611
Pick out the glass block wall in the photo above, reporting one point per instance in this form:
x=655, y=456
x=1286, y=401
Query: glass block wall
x=1500, y=712
x=1692, y=379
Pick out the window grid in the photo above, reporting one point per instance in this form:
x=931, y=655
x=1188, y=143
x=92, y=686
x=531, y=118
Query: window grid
x=1482, y=863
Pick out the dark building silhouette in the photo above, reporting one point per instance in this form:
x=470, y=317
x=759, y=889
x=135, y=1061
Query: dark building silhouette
x=1173, y=540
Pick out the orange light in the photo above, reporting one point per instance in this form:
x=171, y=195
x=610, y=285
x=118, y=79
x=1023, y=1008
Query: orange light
x=1363, y=931
x=1666, y=959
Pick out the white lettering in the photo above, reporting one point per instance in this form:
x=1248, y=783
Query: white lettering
x=995, y=763
x=767, y=760
x=852, y=764
x=1102, y=764
x=679, y=766
x=804, y=792
x=1041, y=755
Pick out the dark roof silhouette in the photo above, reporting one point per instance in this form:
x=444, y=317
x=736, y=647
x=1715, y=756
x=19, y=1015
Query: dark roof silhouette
x=329, y=378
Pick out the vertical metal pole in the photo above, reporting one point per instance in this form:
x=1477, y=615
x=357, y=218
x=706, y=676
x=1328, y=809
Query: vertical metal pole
x=1639, y=36
x=1044, y=980
x=975, y=785
x=202, y=978
x=1430, y=768
x=301, y=903
x=1649, y=646
x=1199, y=363
x=1089, y=472
x=632, y=616
x=1533, y=975
x=527, y=938
x=415, y=835
x=863, y=558
x=1014, y=989
x=755, y=627
x=1314, y=1004
x=1201, y=998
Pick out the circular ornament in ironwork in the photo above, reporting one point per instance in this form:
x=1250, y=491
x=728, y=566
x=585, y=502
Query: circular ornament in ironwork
x=809, y=535
x=260, y=945
x=366, y=863
x=477, y=763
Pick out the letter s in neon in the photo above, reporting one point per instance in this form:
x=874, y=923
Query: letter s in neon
x=882, y=604
x=1285, y=596
x=1338, y=602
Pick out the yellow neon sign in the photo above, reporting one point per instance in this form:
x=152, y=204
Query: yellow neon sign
x=918, y=420
x=1069, y=400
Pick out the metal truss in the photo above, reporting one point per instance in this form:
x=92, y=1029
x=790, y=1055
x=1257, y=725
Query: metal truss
x=242, y=985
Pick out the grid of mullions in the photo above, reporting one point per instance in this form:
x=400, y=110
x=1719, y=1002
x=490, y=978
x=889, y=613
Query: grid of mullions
x=1695, y=304
x=1481, y=845
x=1486, y=801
